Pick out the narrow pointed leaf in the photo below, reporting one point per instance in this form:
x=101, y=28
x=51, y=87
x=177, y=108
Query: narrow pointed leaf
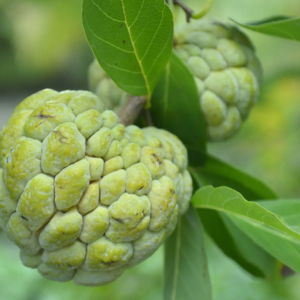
x=176, y=107
x=280, y=26
x=132, y=40
x=238, y=246
x=265, y=228
x=186, y=270
x=230, y=239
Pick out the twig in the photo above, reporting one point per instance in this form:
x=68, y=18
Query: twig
x=189, y=12
x=131, y=110
x=286, y=271
x=147, y=115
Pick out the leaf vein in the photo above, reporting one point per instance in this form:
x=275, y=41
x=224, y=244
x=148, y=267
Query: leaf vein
x=135, y=51
x=99, y=38
x=124, y=70
x=153, y=38
x=138, y=14
x=106, y=13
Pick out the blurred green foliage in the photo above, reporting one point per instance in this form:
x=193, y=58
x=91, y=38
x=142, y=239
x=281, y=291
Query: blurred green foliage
x=42, y=44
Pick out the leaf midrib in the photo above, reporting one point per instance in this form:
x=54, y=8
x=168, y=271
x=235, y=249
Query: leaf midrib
x=266, y=227
x=135, y=51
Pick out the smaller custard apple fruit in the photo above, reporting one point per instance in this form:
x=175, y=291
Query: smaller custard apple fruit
x=226, y=71
x=102, y=85
x=83, y=197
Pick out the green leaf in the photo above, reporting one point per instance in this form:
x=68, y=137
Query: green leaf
x=233, y=242
x=175, y=105
x=132, y=40
x=186, y=270
x=209, y=170
x=288, y=210
x=230, y=282
x=280, y=26
x=237, y=245
x=265, y=228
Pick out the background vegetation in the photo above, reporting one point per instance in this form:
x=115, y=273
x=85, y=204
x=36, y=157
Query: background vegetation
x=42, y=44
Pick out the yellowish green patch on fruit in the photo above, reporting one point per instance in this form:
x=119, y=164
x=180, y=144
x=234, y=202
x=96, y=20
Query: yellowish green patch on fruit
x=36, y=100
x=21, y=164
x=136, y=135
x=45, y=118
x=118, y=132
x=113, y=165
x=152, y=160
x=85, y=102
x=62, y=230
x=24, y=238
x=68, y=258
x=98, y=144
x=36, y=205
x=90, y=199
x=7, y=205
x=62, y=147
x=96, y=167
x=112, y=186
x=131, y=154
x=114, y=150
x=163, y=201
x=12, y=131
x=95, y=224
x=71, y=183
x=110, y=119
x=89, y=122
x=104, y=254
x=138, y=179
x=215, y=110
x=129, y=218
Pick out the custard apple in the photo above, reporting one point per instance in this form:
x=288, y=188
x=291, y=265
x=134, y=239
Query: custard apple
x=83, y=197
x=226, y=71
x=103, y=86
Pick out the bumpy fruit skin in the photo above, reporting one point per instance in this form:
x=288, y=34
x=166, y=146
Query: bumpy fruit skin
x=103, y=86
x=83, y=197
x=226, y=71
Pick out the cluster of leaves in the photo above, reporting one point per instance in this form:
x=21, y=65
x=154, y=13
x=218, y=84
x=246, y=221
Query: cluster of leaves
x=132, y=41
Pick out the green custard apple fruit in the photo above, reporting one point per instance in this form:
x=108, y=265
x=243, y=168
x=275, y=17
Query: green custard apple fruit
x=226, y=71
x=83, y=197
x=103, y=86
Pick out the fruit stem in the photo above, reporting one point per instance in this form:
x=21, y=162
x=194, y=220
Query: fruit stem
x=204, y=11
x=131, y=110
x=147, y=115
x=190, y=13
